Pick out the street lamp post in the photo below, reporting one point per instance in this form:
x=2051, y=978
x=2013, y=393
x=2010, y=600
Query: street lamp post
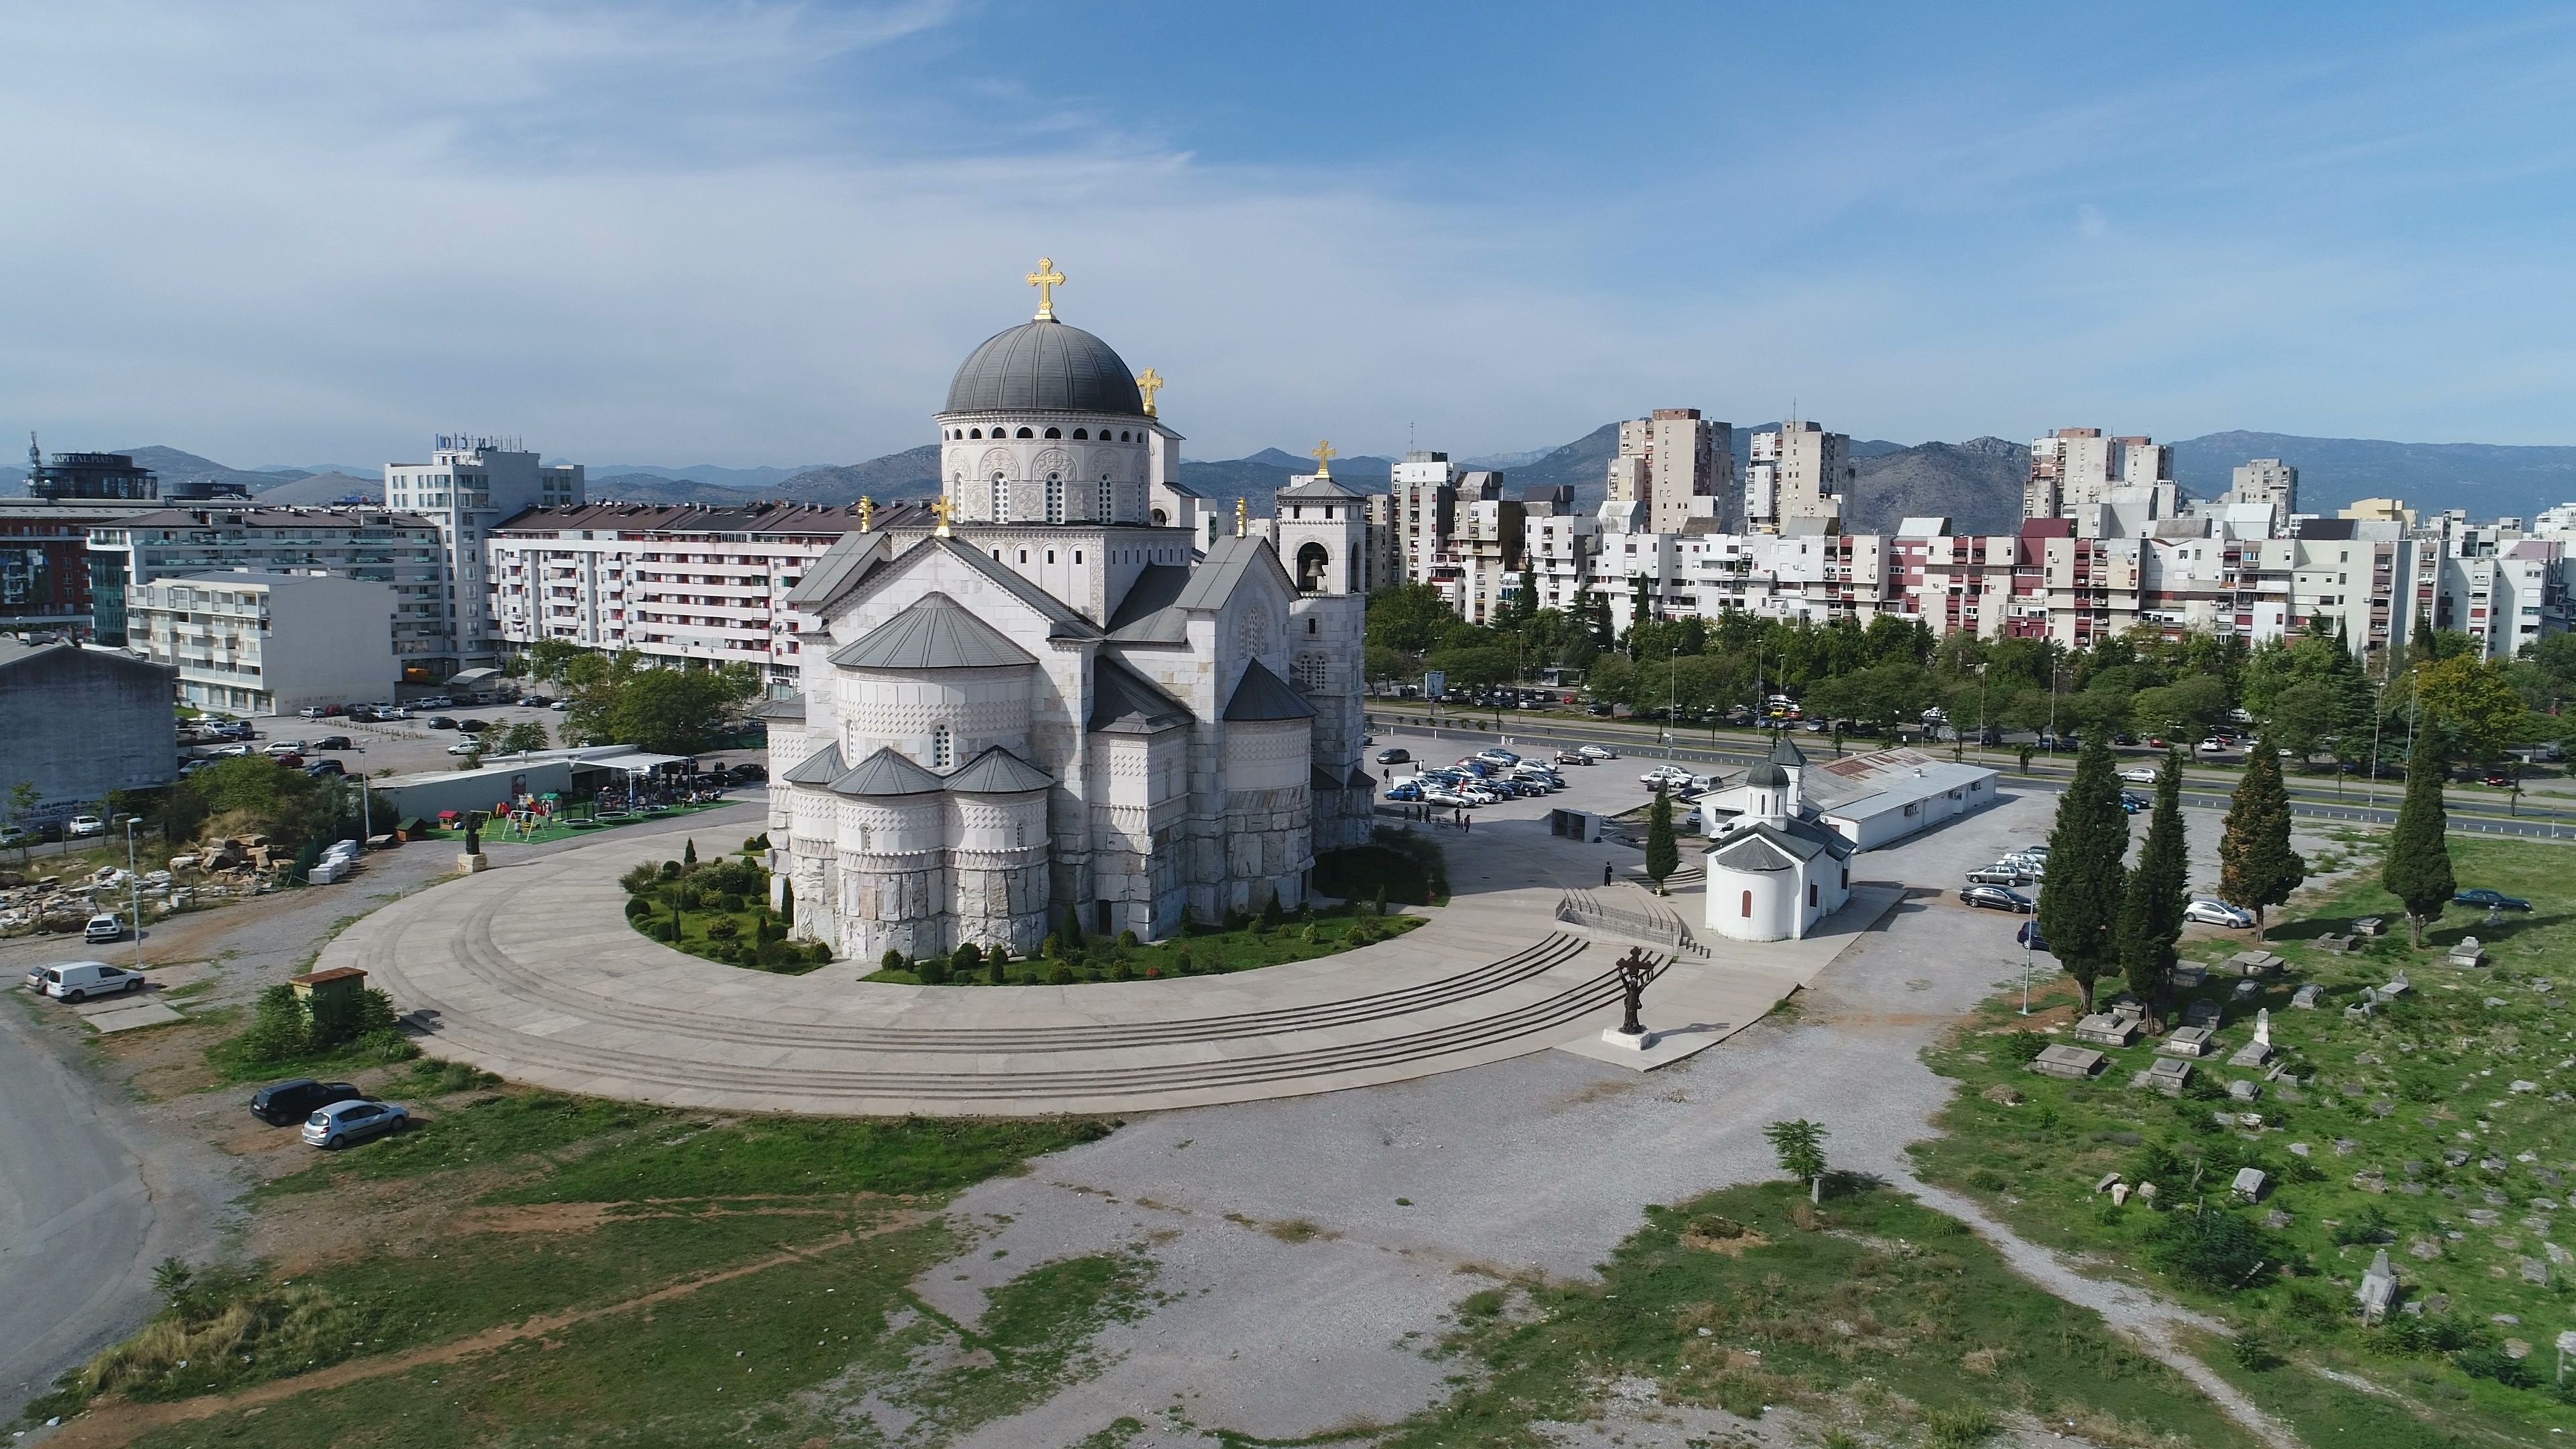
x=135, y=882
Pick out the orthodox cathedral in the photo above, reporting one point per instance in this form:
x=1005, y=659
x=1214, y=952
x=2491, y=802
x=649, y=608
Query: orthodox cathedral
x=1075, y=690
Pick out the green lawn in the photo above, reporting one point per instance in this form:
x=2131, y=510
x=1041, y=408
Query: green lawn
x=2439, y=1129
x=822, y=1224
x=1208, y=953
x=1875, y=1315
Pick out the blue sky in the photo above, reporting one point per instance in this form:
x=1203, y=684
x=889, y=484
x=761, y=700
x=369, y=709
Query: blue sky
x=752, y=233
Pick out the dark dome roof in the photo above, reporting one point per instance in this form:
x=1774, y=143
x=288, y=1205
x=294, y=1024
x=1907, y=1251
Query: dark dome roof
x=1045, y=366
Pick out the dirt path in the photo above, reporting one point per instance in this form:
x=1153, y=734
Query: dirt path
x=2137, y=1315
x=117, y=1421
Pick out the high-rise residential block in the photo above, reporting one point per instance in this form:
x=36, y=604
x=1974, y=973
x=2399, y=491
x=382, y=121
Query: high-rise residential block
x=250, y=642
x=1797, y=471
x=2267, y=480
x=468, y=486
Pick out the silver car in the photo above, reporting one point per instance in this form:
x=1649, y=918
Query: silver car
x=2218, y=913
x=342, y=1123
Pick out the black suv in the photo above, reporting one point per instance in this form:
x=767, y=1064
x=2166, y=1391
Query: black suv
x=281, y=1103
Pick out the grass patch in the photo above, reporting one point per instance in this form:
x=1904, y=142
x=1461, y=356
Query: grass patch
x=827, y=1329
x=1203, y=952
x=1872, y=1301
x=2438, y=1129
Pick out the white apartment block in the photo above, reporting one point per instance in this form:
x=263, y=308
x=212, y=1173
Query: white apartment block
x=1422, y=501
x=678, y=583
x=256, y=643
x=468, y=486
x=403, y=551
x=1797, y=471
x=1679, y=464
x=2267, y=480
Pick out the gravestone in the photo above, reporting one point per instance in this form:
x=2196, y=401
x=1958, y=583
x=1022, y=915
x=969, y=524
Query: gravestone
x=2245, y=1091
x=2306, y=997
x=2370, y=926
x=2378, y=1290
x=2249, y=1184
x=2166, y=1075
x=2103, y=1029
x=2467, y=953
x=2338, y=944
x=2201, y=1013
x=2246, y=991
x=2190, y=975
x=2071, y=1062
x=2258, y=1051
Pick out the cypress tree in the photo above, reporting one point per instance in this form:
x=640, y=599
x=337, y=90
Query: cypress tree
x=689, y=854
x=2256, y=866
x=2079, y=905
x=2418, y=867
x=1663, y=856
x=2151, y=906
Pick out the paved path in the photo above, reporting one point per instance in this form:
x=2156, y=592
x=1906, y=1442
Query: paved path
x=532, y=972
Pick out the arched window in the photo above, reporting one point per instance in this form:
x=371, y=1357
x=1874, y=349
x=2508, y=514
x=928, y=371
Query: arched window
x=1160, y=518
x=1081, y=433
x=1122, y=435
x=1310, y=625
x=1748, y=905
x=1055, y=432
x=943, y=747
x=1024, y=432
x=1811, y=895
x=974, y=432
x=1314, y=563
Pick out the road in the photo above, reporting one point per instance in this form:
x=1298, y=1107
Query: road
x=2198, y=791
x=90, y=1198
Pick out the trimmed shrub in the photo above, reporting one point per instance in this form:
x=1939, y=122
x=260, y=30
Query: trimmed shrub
x=639, y=880
x=892, y=960
x=688, y=854
x=932, y=970
x=638, y=908
x=723, y=928
x=1128, y=940
x=818, y=953
x=1062, y=975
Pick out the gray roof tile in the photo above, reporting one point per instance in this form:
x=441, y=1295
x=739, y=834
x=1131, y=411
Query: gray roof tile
x=819, y=768
x=1126, y=702
x=1262, y=695
x=936, y=632
x=999, y=772
x=886, y=773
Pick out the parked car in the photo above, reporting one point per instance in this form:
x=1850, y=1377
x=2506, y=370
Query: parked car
x=1442, y=795
x=1665, y=777
x=1395, y=756
x=474, y=726
x=288, y=762
x=747, y=772
x=320, y=768
x=1998, y=874
x=2497, y=778
x=559, y=706
x=342, y=1123
x=2491, y=900
x=1572, y=757
x=2218, y=913
x=2215, y=746
x=2029, y=936
x=433, y=701
x=1996, y=898
x=534, y=701
x=84, y=826
x=467, y=746
x=21, y=835
x=441, y=722
x=1597, y=752
x=80, y=980
x=332, y=742
x=2133, y=802
x=2139, y=775
x=286, y=747
x=280, y=1103
x=232, y=752
x=1498, y=757
x=1405, y=791
x=103, y=927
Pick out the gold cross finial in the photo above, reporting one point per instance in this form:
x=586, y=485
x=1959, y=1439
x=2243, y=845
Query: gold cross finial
x=941, y=506
x=1323, y=455
x=1149, y=382
x=1046, y=279
x=1239, y=525
x=867, y=513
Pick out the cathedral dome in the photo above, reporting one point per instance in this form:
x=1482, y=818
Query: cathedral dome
x=1045, y=366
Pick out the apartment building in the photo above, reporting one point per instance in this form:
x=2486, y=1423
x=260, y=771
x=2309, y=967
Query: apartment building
x=685, y=583
x=403, y=551
x=1797, y=471
x=1422, y=507
x=1679, y=464
x=468, y=486
x=2267, y=480
x=2069, y=466
x=250, y=642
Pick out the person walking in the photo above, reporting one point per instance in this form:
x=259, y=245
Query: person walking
x=1605, y=872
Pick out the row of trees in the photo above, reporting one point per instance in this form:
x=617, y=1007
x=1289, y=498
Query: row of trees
x=2311, y=694
x=2102, y=916
x=624, y=698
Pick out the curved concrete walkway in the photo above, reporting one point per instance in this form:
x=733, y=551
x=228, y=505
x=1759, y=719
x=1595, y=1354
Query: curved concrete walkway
x=531, y=971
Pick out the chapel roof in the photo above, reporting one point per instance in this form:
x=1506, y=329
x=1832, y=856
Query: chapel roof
x=935, y=632
x=998, y=772
x=1126, y=702
x=886, y=773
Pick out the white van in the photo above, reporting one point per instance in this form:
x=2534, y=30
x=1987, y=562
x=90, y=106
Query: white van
x=77, y=980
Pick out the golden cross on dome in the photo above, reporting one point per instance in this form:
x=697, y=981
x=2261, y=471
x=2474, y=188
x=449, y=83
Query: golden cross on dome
x=1046, y=279
x=1149, y=382
x=1323, y=455
x=941, y=506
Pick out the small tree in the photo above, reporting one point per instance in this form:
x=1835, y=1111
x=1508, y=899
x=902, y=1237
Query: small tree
x=22, y=801
x=965, y=960
x=1800, y=1146
x=689, y=854
x=2417, y=869
x=787, y=903
x=2079, y=906
x=997, y=964
x=2151, y=903
x=2256, y=866
x=1071, y=932
x=1663, y=856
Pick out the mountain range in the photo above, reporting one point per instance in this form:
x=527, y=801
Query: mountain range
x=1977, y=484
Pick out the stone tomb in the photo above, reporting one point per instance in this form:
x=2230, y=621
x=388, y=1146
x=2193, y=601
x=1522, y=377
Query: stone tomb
x=2188, y=1041
x=2306, y=997
x=2166, y=1075
x=2201, y=1013
x=2071, y=1062
x=2104, y=1029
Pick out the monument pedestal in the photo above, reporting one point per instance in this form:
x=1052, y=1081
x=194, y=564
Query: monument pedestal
x=1635, y=1042
x=469, y=862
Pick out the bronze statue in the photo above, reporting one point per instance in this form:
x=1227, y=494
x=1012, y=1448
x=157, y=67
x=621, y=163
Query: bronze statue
x=474, y=837
x=1635, y=970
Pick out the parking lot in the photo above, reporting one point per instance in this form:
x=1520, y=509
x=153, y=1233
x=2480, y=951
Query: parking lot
x=376, y=747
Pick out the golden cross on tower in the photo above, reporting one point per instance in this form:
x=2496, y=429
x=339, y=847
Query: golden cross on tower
x=867, y=513
x=1240, y=527
x=1149, y=382
x=1046, y=279
x=941, y=506
x=1323, y=455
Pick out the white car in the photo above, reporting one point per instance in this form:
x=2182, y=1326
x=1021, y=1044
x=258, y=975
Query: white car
x=2213, y=747
x=286, y=747
x=466, y=747
x=2139, y=775
x=1665, y=775
x=1441, y=795
x=1596, y=752
x=2219, y=913
x=80, y=980
x=82, y=825
x=103, y=927
x=342, y=1123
